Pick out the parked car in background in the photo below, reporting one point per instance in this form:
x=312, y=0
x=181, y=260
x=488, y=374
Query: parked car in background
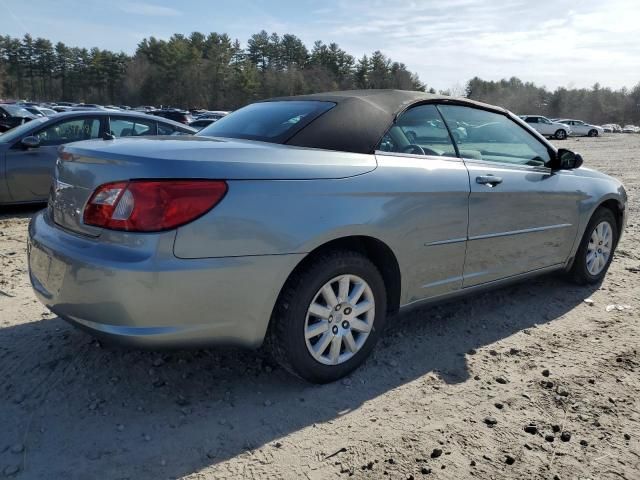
x=200, y=123
x=215, y=115
x=297, y=225
x=547, y=127
x=616, y=128
x=33, y=110
x=630, y=129
x=41, y=111
x=86, y=108
x=28, y=152
x=12, y=115
x=181, y=116
x=48, y=111
x=580, y=128
x=88, y=105
x=62, y=108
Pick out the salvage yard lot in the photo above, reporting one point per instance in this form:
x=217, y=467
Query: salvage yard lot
x=447, y=394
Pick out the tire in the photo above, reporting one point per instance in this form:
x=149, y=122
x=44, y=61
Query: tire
x=291, y=319
x=560, y=134
x=582, y=272
x=593, y=133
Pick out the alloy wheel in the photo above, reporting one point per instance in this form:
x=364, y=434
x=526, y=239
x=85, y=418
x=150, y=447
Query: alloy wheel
x=339, y=319
x=599, y=248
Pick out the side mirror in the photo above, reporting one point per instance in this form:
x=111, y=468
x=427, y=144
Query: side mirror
x=30, y=142
x=568, y=160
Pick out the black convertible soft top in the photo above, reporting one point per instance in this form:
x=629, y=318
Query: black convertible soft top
x=361, y=117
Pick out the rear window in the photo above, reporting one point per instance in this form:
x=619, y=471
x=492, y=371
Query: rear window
x=16, y=111
x=267, y=121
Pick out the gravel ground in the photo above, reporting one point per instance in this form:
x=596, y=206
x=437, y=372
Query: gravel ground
x=529, y=381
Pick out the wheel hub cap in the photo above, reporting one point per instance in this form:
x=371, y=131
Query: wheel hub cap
x=599, y=248
x=339, y=319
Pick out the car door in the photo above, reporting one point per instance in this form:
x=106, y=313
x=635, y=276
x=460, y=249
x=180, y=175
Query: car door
x=426, y=202
x=571, y=124
x=536, y=124
x=546, y=127
x=523, y=216
x=28, y=170
x=579, y=128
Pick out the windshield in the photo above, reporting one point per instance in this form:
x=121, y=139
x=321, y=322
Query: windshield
x=16, y=111
x=21, y=130
x=267, y=121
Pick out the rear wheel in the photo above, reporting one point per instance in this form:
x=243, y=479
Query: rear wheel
x=560, y=134
x=329, y=316
x=596, y=248
x=593, y=133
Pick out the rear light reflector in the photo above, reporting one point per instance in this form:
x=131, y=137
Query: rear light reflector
x=152, y=205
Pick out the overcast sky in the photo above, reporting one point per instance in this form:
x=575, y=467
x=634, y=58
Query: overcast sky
x=572, y=43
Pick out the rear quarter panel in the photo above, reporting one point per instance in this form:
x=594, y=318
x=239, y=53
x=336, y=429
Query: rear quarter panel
x=407, y=203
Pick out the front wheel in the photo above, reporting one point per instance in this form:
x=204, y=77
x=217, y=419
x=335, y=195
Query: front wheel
x=596, y=248
x=593, y=133
x=329, y=316
x=561, y=134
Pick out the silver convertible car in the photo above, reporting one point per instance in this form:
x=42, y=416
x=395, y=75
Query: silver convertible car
x=305, y=222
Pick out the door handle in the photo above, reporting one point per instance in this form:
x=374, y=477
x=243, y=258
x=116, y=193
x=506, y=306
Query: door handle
x=490, y=180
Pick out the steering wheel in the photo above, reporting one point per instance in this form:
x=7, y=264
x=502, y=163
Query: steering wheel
x=418, y=150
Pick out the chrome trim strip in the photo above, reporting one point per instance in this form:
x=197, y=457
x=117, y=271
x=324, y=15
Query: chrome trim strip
x=518, y=232
x=443, y=282
x=509, y=166
x=445, y=242
x=413, y=155
x=500, y=234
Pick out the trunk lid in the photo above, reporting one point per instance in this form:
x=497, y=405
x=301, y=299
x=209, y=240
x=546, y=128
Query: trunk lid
x=83, y=166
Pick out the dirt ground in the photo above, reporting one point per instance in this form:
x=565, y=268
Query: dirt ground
x=447, y=394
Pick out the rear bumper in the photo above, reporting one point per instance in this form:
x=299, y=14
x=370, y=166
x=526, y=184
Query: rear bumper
x=144, y=296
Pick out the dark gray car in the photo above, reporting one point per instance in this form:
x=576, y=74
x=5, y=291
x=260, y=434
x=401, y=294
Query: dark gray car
x=28, y=152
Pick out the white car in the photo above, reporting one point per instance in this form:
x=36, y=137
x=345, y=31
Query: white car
x=630, y=129
x=546, y=127
x=580, y=128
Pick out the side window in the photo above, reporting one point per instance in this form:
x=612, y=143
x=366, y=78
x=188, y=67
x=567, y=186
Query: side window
x=531, y=120
x=421, y=131
x=165, y=129
x=494, y=137
x=72, y=130
x=131, y=127
x=545, y=120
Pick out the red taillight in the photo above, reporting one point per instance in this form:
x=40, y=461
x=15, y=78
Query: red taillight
x=152, y=205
